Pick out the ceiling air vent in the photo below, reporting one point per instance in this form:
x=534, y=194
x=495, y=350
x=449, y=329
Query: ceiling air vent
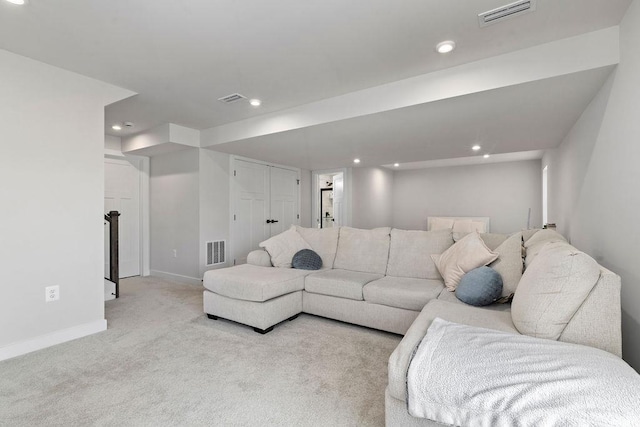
x=505, y=12
x=232, y=98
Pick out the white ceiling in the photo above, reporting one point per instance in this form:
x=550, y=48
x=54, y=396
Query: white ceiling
x=512, y=119
x=180, y=56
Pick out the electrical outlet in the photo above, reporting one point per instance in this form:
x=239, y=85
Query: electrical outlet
x=175, y=253
x=52, y=293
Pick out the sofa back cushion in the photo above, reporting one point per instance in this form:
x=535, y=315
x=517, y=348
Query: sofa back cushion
x=552, y=289
x=493, y=240
x=509, y=262
x=410, y=252
x=535, y=243
x=363, y=250
x=324, y=241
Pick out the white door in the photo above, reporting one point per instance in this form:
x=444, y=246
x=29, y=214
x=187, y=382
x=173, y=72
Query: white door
x=265, y=204
x=251, y=208
x=122, y=194
x=338, y=200
x=284, y=199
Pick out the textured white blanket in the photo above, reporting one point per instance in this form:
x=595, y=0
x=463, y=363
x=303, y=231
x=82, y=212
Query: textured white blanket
x=463, y=375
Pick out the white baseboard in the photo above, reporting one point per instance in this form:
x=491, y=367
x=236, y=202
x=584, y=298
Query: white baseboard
x=51, y=339
x=177, y=277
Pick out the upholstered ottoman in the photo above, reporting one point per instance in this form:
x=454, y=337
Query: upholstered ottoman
x=253, y=295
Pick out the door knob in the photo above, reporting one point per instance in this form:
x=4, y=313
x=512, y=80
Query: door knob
x=269, y=221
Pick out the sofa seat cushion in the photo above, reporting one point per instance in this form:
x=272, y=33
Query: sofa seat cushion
x=410, y=252
x=253, y=283
x=451, y=297
x=339, y=283
x=402, y=292
x=363, y=250
x=458, y=313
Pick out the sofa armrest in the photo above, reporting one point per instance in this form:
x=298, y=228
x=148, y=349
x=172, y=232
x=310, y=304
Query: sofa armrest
x=260, y=258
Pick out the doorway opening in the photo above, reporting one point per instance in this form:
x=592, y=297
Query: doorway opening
x=330, y=199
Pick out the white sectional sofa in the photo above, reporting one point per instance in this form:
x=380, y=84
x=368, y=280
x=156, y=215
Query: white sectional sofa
x=385, y=279
x=369, y=277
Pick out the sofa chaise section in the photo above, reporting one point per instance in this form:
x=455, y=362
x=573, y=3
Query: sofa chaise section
x=256, y=296
x=596, y=323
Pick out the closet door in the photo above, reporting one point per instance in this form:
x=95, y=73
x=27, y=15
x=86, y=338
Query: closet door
x=251, y=208
x=265, y=200
x=284, y=199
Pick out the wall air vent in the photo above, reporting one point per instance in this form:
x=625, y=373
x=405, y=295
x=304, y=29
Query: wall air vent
x=505, y=12
x=232, y=98
x=215, y=252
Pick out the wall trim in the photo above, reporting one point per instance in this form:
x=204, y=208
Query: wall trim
x=177, y=277
x=51, y=339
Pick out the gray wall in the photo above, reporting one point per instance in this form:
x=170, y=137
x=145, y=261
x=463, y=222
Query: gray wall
x=175, y=213
x=52, y=193
x=502, y=191
x=189, y=206
x=594, y=177
x=371, y=196
x=112, y=143
x=214, y=203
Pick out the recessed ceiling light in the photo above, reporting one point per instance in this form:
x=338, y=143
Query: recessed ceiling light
x=446, y=46
x=486, y=156
x=116, y=127
x=396, y=165
x=476, y=147
x=255, y=102
x=20, y=2
x=356, y=161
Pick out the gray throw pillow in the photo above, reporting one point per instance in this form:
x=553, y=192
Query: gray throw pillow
x=306, y=259
x=479, y=287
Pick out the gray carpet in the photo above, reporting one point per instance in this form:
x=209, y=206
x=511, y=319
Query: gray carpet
x=162, y=362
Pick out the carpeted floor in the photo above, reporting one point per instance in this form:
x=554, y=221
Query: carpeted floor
x=162, y=362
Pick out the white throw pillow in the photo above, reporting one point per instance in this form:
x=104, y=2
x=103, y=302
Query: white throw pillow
x=552, y=289
x=469, y=253
x=282, y=247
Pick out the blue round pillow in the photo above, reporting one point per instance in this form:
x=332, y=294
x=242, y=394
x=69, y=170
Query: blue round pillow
x=306, y=259
x=479, y=287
